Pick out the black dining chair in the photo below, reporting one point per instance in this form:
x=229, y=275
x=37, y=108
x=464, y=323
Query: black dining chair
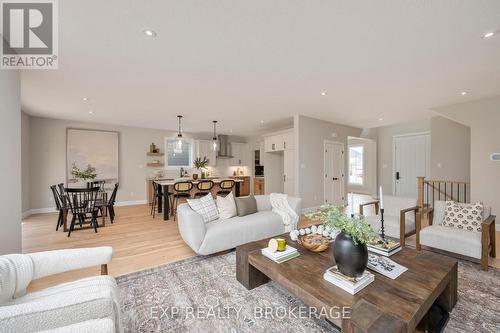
x=110, y=205
x=226, y=186
x=181, y=190
x=61, y=188
x=204, y=187
x=82, y=202
x=59, y=206
x=158, y=195
x=98, y=183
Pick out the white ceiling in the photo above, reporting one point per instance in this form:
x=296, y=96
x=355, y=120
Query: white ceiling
x=241, y=62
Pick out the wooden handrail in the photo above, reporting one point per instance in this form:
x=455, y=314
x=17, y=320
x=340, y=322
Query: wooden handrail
x=433, y=185
x=446, y=181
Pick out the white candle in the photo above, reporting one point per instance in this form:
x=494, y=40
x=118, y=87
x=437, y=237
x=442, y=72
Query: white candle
x=380, y=195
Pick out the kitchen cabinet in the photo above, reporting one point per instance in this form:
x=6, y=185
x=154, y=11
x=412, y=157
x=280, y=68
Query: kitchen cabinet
x=205, y=148
x=289, y=172
x=244, y=186
x=240, y=154
x=258, y=186
x=279, y=141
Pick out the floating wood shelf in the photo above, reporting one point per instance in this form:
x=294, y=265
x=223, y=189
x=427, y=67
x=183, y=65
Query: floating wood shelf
x=155, y=154
x=155, y=165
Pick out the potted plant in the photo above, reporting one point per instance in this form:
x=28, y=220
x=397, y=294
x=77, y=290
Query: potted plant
x=88, y=174
x=200, y=164
x=349, y=250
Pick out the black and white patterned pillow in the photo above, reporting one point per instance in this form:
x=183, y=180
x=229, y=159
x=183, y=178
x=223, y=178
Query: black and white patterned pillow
x=464, y=216
x=205, y=206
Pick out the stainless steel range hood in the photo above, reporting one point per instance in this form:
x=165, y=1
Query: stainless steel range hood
x=224, y=147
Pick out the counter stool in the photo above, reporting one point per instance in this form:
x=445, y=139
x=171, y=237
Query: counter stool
x=204, y=187
x=226, y=187
x=181, y=190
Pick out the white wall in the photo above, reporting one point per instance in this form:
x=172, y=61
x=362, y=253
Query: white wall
x=450, y=150
x=47, y=158
x=311, y=134
x=10, y=150
x=483, y=118
x=25, y=162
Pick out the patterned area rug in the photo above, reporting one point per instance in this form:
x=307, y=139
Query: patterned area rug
x=201, y=294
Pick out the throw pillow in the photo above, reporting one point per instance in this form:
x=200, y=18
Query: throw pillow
x=246, y=205
x=464, y=216
x=226, y=206
x=205, y=206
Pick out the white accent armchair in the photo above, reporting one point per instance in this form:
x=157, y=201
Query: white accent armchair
x=62, y=308
x=471, y=245
x=397, y=223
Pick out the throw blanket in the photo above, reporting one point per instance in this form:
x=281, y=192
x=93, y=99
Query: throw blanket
x=281, y=207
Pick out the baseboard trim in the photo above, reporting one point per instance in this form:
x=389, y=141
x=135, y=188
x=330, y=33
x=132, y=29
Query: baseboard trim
x=53, y=210
x=131, y=203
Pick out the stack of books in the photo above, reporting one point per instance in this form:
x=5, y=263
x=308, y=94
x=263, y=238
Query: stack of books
x=386, y=247
x=281, y=256
x=349, y=284
x=385, y=266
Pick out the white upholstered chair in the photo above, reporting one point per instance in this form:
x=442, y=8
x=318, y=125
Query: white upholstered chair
x=472, y=245
x=397, y=222
x=83, y=305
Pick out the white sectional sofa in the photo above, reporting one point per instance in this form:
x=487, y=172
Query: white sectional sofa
x=207, y=238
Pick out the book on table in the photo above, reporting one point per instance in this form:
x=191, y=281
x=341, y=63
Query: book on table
x=386, y=247
x=281, y=256
x=385, y=266
x=349, y=284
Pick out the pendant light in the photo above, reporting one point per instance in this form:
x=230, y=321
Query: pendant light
x=215, y=144
x=178, y=145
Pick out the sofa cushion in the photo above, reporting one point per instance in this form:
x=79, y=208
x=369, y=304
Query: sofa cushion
x=452, y=240
x=463, y=216
x=393, y=206
x=246, y=205
x=227, y=234
x=391, y=225
x=226, y=206
x=205, y=207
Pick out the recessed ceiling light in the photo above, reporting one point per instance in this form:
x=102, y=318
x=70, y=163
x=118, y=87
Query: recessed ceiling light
x=149, y=33
x=91, y=112
x=231, y=131
x=323, y=93
x=380, y=119
x=463, y=93
x=85, y=99
x=262, y=121
x=490, y=34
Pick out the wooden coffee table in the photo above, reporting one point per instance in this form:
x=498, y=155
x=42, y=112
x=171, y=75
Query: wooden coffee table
x=385, y=305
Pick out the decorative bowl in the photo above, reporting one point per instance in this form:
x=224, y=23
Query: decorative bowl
x=314, y=242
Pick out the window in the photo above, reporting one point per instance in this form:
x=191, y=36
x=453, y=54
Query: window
x=176, y=157
x=356, y=165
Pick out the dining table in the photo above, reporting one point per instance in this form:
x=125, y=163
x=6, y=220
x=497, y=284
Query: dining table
x=164, y=184
x=102, y=197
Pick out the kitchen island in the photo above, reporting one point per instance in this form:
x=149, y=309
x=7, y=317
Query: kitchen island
x=164, y=184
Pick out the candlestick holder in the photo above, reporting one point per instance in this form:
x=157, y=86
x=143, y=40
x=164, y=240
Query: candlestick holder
x=382, y=231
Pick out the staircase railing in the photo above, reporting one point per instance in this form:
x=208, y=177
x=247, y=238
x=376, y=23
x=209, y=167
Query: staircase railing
x=430, y=190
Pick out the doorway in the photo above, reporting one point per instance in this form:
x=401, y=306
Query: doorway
x=412, y=158
x=334, y=181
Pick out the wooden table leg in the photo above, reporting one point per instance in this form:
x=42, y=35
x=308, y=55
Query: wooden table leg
x=166, y=207
x=448, y=298
x=246, y=274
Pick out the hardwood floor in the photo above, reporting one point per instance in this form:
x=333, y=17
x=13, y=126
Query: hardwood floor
x=138, y=240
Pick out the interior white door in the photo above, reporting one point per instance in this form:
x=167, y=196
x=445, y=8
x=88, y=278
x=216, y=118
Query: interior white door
x=334, y=173
x=412, y=155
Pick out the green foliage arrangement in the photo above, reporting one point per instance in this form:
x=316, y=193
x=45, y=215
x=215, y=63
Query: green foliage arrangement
x=356, y=227
x=88, y=174
x=200, y=163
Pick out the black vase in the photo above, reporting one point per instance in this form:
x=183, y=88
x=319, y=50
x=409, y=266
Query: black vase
x=351, y=258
